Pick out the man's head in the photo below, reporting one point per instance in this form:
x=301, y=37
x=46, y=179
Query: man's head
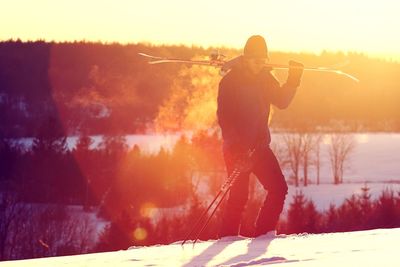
x=255, y=53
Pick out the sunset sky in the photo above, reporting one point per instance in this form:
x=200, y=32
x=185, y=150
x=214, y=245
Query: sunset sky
x=369, y=26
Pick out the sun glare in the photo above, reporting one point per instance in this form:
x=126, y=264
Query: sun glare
x=140, y=234
x=307, y=25
x=148, y=210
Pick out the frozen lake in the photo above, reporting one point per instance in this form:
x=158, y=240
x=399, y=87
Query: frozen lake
x=376, y=156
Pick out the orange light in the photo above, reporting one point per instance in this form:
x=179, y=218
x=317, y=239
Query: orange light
x=140, y=234
x=192, y=109
x=148, y=210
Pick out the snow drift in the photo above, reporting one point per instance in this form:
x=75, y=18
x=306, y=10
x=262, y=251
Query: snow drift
x=364, y=248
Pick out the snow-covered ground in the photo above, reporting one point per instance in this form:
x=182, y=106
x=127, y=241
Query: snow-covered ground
x=364, y=248
x=375, y=160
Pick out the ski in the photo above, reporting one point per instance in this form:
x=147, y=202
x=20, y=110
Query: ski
x=158, y=60
x=218, y=61
x=202, y=222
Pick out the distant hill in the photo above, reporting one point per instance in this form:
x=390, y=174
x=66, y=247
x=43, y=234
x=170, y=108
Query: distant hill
x=108, y=88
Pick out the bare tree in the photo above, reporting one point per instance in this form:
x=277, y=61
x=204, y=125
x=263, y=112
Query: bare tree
x=38, y=230
x=302, y=151
x=342, y=145
x=308, y=146
x=317, y=156
x=293, y=144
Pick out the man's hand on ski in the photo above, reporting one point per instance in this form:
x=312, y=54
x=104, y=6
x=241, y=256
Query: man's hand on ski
x=295, y=72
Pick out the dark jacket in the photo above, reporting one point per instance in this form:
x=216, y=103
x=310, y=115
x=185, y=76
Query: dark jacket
x=244, y=101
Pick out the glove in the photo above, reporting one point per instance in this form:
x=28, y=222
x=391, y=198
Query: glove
x=295, y=72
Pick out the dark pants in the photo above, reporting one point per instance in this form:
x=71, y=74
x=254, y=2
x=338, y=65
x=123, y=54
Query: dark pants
x=269, y=173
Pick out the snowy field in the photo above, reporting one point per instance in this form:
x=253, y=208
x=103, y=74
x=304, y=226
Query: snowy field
x=376, y=157
x=364, y=248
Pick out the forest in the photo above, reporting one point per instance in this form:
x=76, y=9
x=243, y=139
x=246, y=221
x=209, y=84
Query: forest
x=96, y=88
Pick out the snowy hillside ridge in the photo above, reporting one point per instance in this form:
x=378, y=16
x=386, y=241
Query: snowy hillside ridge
x=363, y=248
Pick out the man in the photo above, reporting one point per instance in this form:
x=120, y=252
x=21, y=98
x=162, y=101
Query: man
x=244, y=98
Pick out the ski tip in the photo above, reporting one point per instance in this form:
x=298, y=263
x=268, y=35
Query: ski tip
x=348, y=76
x=144, y=55
x=150, y=57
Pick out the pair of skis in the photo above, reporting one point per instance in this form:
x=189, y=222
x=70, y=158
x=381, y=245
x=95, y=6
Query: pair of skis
x=219, y=61
x=205, y=218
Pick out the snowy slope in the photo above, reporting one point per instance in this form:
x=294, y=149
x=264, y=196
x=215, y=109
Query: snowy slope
x=363, y=248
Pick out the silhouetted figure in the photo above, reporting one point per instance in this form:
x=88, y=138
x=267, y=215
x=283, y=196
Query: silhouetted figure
x=244, y=99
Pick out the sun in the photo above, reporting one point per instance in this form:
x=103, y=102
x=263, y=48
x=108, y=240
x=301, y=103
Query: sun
x=304, y=25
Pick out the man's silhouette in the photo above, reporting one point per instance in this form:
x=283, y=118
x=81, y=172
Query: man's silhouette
x=244, y=98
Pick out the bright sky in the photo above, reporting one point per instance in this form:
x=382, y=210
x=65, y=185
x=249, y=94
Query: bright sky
x=370, y=26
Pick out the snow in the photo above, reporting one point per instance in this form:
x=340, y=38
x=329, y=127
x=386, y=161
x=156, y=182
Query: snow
x=375, y=158
x=363, y=248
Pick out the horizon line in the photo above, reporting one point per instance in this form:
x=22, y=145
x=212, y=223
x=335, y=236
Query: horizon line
x=372, y=55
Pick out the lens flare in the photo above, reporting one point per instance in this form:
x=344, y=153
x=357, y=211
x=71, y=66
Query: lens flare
x=140, y=234
x=148, y=210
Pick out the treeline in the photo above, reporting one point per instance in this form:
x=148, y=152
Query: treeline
x=39, y=187
x=110, y=174
x=356, y=213
x=113, y=175
x=109, y=89
x=28, y=231
x=147, y=198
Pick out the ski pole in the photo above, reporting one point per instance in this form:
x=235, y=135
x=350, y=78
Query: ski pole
x=215, y=209
x=202, y=216
x=224, y=190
